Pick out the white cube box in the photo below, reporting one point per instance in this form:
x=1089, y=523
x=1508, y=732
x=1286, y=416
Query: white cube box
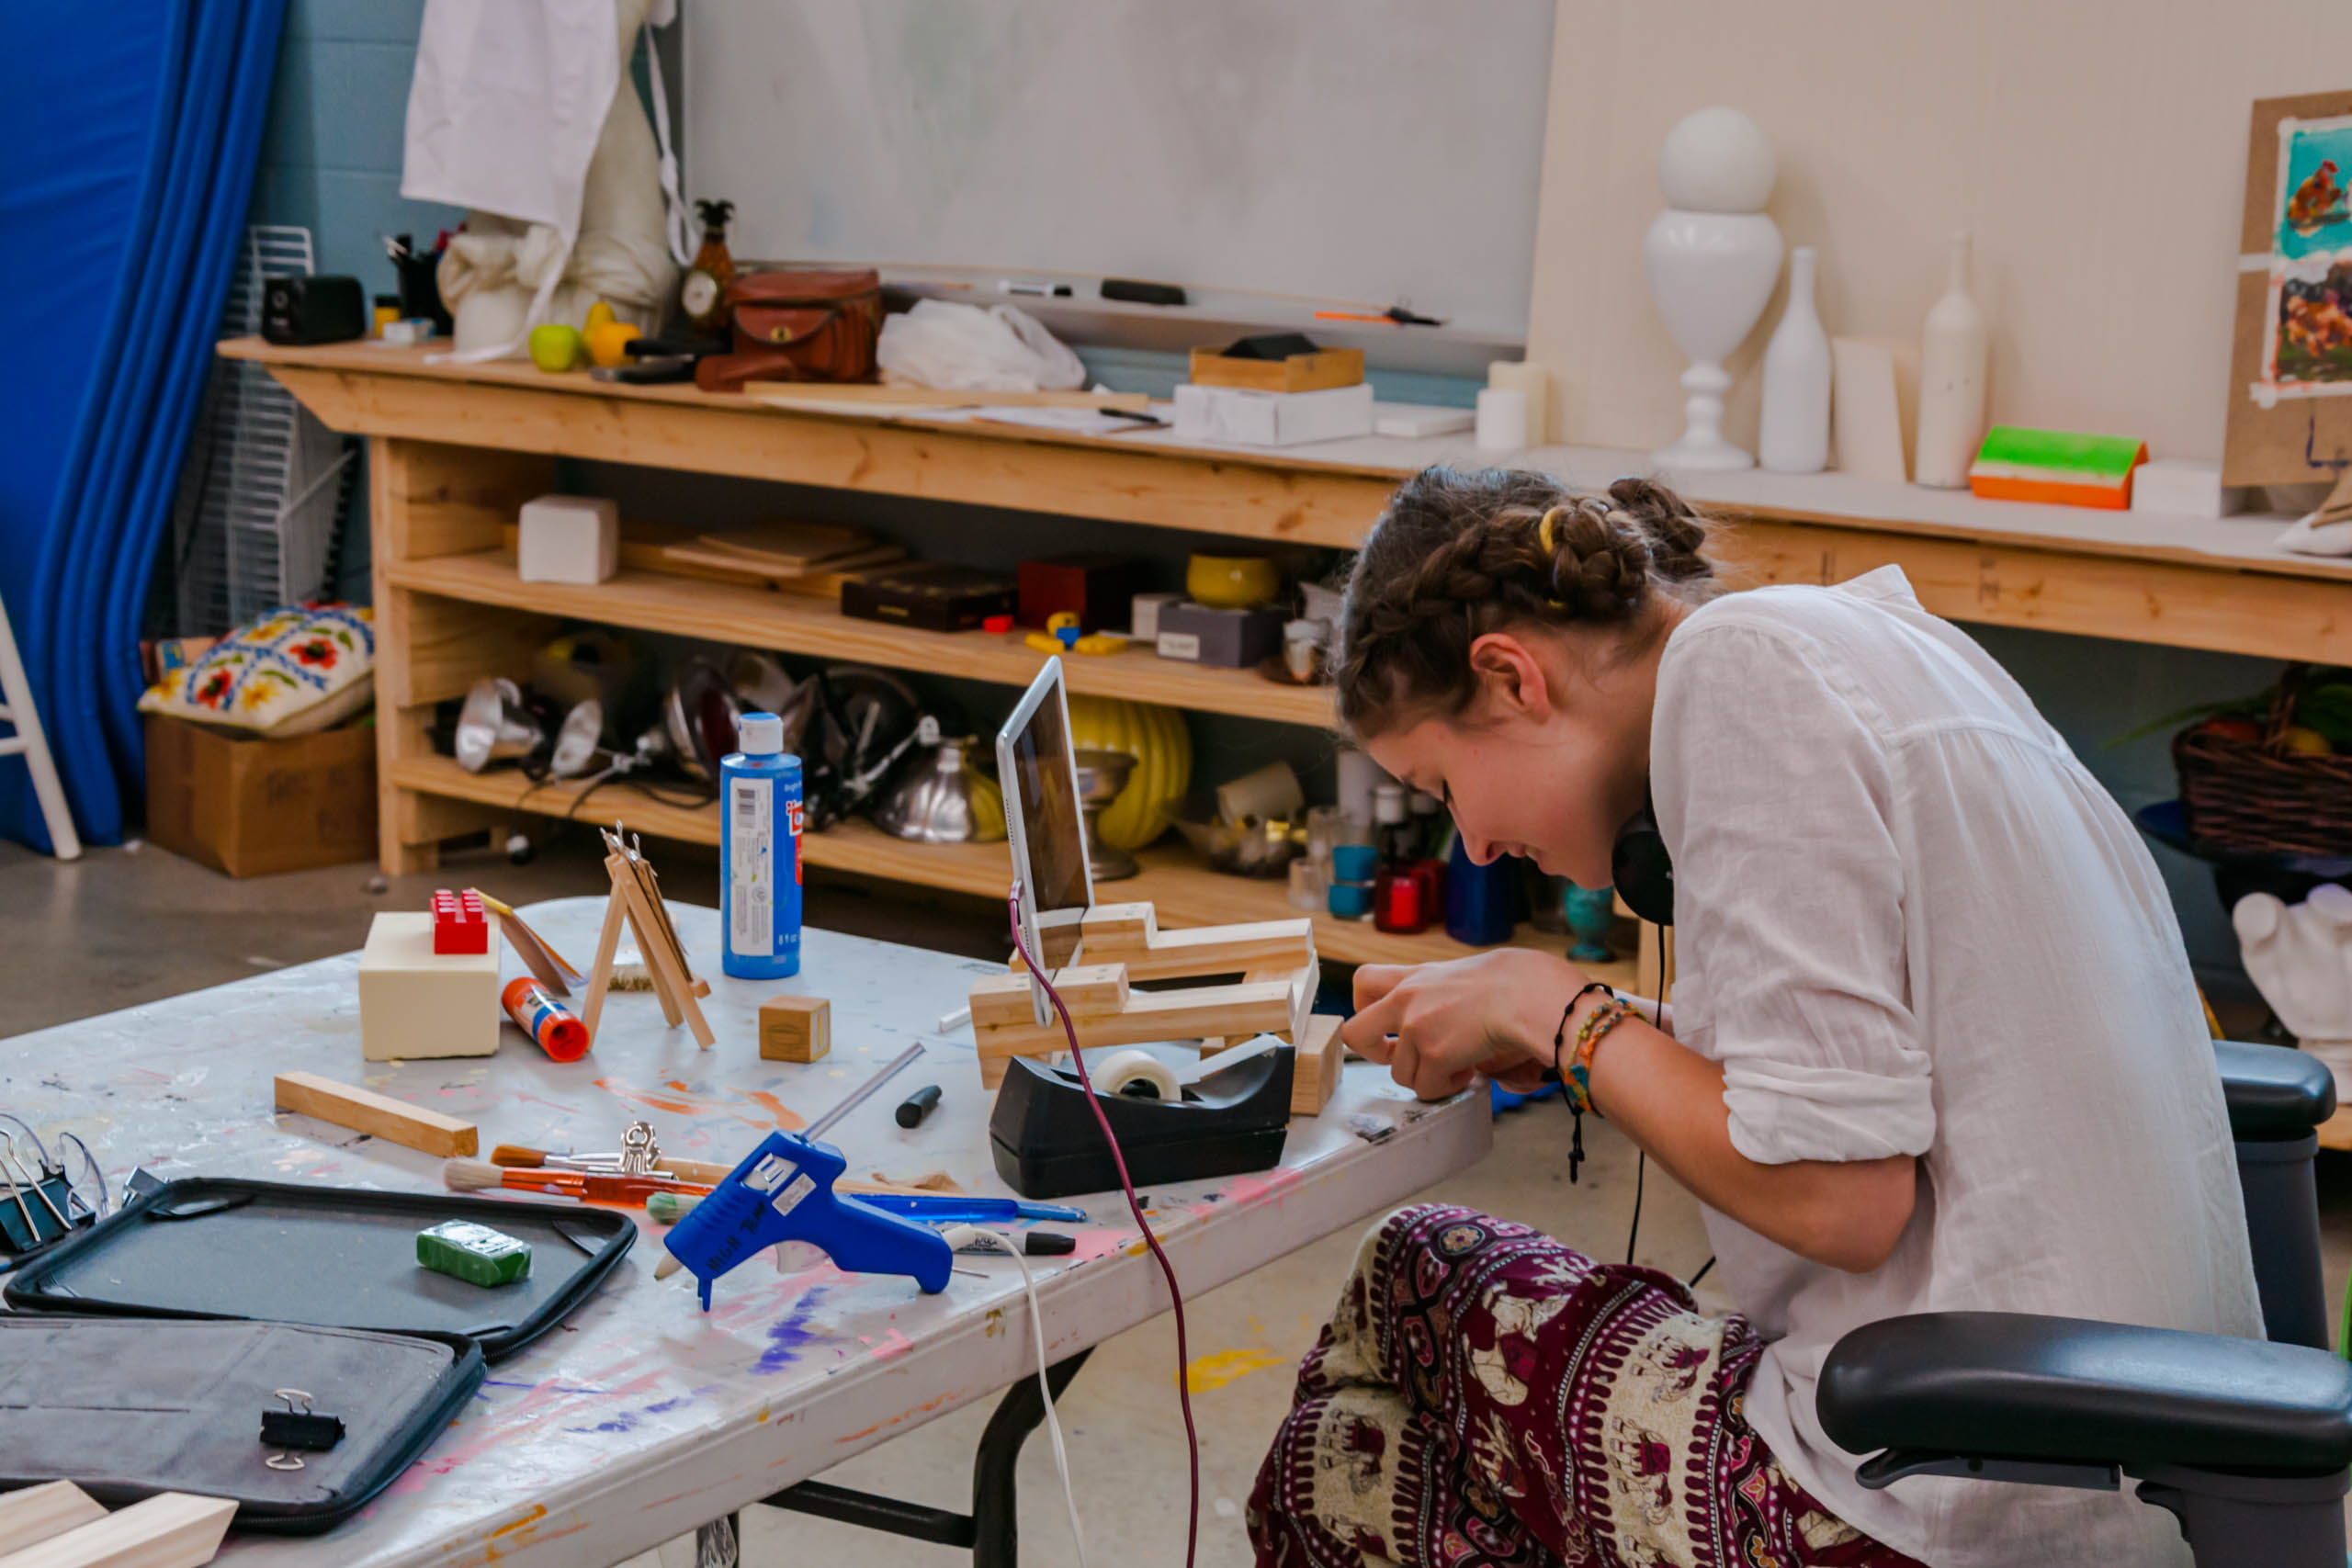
x=569, y=538
x=1272, y=419
x=414, y=1002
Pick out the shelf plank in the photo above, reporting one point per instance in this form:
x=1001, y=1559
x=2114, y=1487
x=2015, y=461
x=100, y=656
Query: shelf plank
x=1297, y=499
x=662, y=602
x=1186, y=893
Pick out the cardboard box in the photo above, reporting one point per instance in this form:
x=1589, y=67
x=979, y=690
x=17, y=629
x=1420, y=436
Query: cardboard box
x=252, y=807
x=1230, y=639
x=1099, y=590
x=1272, y=419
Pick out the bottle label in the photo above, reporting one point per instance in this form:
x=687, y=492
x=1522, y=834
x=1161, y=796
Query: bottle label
x=751, y=866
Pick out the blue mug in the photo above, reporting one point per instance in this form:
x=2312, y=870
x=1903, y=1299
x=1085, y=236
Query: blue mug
x=1354, y=863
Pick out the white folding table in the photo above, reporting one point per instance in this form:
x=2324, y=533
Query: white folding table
x=641, y=1418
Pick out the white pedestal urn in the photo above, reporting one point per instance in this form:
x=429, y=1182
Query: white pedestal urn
x=1713, y=256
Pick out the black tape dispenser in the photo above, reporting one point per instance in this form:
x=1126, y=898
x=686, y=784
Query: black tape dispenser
x=1231, y=1119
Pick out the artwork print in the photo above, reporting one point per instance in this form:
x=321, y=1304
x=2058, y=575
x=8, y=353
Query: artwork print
x=2307, y=351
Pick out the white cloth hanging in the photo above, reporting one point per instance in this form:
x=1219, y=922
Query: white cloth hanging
x=506, y=113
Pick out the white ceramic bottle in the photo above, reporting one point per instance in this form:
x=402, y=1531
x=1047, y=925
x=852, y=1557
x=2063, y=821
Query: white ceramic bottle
x=1953, y=351
x=1792, y=436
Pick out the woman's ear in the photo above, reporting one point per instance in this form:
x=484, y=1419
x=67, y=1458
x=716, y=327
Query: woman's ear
x=1511, y=677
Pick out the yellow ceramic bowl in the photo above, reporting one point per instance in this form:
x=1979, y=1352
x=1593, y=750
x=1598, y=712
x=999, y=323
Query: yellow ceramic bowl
x=1232, y=583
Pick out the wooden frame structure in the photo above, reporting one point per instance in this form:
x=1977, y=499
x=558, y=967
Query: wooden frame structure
x=1121, y=943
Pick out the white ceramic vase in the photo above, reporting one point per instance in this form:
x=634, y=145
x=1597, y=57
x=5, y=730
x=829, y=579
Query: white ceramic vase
x=1792, y=436
x=1711, y=273
x=1953, y=351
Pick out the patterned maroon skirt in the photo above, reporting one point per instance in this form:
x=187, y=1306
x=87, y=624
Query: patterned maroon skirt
x=1485, y=1396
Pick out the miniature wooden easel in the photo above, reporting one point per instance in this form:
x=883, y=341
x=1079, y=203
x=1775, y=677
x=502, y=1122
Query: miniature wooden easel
x=637, y=893
x=1119, y=944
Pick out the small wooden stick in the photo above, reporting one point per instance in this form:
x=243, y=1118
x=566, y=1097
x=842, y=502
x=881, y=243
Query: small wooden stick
x=33, y=1516
x=171, y=1529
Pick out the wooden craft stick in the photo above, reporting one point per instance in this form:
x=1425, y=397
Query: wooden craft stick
x=171, y=1529
x=600, y=977
x=33, y=1516
x=1243, y=1011
x=378, y=1115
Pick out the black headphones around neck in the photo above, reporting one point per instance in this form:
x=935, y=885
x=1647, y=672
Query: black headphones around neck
x=1641, y=870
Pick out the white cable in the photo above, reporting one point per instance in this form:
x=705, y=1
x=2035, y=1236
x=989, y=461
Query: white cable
x=965, y=1235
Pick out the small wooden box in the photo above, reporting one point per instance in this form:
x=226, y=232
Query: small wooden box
x=1299, y=373
x=795, y=1029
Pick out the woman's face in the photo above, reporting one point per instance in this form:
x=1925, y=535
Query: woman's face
x=1550, y=759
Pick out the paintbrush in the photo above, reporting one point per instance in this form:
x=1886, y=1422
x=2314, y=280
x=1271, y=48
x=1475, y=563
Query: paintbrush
x=590, y=1186
x=706, y=1172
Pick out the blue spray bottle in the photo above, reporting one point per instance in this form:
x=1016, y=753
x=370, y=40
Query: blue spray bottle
x=759, y=853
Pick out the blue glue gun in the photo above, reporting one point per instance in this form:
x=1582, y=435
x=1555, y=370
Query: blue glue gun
x=784, y=1191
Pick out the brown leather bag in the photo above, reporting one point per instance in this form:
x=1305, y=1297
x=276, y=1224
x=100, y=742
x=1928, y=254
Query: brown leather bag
x=798, y=324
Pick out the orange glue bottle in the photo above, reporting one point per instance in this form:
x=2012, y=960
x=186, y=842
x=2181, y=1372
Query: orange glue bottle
x=538, y=1014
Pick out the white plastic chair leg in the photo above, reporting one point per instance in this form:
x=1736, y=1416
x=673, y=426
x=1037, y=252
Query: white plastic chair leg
x=31, y=743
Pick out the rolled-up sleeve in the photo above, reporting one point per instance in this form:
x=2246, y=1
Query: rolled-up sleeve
x=1776, y=797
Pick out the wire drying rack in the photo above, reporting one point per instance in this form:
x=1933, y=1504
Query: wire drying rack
x=265, y=485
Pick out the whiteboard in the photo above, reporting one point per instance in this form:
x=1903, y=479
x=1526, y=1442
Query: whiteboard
x=1356, y=151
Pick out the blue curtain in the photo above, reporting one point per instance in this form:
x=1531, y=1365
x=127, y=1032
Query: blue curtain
x=129, y=133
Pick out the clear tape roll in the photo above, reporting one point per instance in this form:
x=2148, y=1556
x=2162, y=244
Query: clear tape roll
x=1131, y=1073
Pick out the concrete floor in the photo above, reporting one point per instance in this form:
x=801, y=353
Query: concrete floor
x=131, y=925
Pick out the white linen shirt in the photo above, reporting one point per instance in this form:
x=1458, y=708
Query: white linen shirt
x=1910, y=922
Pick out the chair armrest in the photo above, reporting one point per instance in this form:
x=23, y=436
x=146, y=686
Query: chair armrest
x=2063, y=1390
x=2273, y=1092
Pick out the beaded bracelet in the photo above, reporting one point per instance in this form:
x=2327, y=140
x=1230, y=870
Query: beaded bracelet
x=1596, y=1024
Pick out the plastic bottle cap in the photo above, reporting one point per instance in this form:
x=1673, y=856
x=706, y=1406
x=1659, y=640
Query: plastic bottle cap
x=1389, y=803
x=760, y=734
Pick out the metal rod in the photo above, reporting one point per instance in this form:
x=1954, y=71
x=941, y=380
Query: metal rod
x=858, y=1096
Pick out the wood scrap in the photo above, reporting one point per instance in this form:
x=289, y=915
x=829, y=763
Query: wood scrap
x=171, y=1529
x=33, y=1516
x=783, y=546
x=378, y=1115
x=793, y=394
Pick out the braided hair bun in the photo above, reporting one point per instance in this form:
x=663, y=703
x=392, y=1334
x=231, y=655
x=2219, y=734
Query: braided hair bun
x=1458, y=555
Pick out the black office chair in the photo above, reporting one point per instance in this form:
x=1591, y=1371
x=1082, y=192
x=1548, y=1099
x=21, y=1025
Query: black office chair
x=2244, y=1442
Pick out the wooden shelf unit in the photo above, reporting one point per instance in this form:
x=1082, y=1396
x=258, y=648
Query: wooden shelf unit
x=455, y=450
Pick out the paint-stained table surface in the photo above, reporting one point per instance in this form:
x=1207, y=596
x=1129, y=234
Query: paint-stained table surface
x=640, y=1418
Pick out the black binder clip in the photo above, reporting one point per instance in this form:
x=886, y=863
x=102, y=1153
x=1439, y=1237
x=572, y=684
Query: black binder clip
x=304, y=1428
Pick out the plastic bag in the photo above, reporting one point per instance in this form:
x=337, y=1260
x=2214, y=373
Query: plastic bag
x=965, y=348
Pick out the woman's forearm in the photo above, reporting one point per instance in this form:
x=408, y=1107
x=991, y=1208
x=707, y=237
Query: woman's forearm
x=1669, y=1100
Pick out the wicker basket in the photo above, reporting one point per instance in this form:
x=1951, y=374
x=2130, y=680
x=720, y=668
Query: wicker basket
x=2260, y=798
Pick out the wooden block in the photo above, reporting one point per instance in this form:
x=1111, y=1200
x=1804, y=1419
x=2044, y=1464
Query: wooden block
x=1089, y=991
x=1315, y=1073
x=1121, y=925
x=795, y=1028
x=33, y=1516
x=416, y=1003
x=1232, y=1010
x=378, y=1115
x=171, y=1529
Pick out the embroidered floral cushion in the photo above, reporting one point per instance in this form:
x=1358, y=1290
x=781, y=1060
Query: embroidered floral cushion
x=291, y=672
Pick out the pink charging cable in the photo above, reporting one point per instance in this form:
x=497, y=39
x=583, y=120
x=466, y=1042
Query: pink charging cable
x=1134, y=1207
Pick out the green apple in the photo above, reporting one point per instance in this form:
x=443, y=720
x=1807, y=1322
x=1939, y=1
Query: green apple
x=556, y=346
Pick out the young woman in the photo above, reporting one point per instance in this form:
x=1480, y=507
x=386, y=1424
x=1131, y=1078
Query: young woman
x=1933, y=1045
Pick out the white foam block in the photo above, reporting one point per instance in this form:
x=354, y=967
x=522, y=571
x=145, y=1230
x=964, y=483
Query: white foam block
x=2184, y=489
x=414, y=1002
x=569, y=538
x=1414, y=421
x=1272, y=419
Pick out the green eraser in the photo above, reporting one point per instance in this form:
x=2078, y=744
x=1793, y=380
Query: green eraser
x=475, y=1253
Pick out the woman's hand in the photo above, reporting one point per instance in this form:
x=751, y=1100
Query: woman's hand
x=1437, y=1025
